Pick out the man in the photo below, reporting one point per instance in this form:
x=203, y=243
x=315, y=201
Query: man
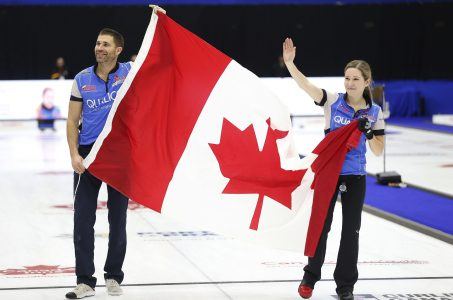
x=93, y=92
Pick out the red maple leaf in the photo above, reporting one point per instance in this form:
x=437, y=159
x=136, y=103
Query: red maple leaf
x=252, y=171
x=38, y=270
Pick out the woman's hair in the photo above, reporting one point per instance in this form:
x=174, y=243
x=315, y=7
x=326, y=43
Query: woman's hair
x=45, y=90
x=365, y=69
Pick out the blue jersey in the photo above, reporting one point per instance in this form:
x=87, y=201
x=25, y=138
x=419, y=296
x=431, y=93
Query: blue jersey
x=339, y=113
x=97, y=97
x=48, y=113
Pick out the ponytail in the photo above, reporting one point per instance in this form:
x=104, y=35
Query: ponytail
x=368, y=93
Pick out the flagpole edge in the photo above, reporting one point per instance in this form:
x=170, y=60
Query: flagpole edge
x=157, y=8
x=153, y=7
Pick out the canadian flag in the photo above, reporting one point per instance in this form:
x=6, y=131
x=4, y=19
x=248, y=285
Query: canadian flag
x=195, y=136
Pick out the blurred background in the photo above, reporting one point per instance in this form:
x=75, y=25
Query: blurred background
x=407, y=43
x=45, y=43
x=400, y=39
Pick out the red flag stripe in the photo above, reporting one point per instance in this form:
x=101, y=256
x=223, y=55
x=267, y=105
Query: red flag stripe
x=159, y=142
x=327, y=167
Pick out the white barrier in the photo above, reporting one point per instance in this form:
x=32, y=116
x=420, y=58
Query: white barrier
x=297, y=101
x=443, y=120
x=20, y=99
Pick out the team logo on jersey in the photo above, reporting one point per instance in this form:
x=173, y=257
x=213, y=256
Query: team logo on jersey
x=343, y=109
x=369, y=117
x=118, y=80
x=341, y=120
x=96, y=103
x=88, y=88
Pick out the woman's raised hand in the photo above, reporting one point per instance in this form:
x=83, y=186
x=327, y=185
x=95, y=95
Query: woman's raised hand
x=289, y=51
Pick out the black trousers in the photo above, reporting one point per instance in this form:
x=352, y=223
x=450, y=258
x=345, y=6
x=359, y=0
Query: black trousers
x=346, y=273
x=85, y=205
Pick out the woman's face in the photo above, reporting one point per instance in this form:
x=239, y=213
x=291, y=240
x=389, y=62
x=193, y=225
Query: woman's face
x=48, y=98
x=354, y=83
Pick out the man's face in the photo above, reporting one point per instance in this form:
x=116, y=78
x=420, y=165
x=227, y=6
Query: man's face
x=105, y=50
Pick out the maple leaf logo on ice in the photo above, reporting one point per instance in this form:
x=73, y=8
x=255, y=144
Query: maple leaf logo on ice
x=252, y=171
x=39, y=270
x=102, y=205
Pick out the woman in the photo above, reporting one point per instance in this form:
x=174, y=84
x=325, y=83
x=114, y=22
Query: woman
x=339, y=110
x=47, y=111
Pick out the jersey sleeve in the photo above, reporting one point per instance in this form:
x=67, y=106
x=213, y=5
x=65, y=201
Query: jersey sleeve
x=328, y=99
x=379, y=125
x=75, y=92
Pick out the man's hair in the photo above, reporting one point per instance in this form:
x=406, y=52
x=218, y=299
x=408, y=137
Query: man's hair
x=117, y=37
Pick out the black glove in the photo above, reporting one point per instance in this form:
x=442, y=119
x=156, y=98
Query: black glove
x=365, y=127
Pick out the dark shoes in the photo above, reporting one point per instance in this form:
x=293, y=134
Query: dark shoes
x=346, y=296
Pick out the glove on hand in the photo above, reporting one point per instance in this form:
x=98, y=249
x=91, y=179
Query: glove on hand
x=365, y=127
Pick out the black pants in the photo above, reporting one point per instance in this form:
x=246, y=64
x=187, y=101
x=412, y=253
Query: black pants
x=85, y=205
x=346, y=273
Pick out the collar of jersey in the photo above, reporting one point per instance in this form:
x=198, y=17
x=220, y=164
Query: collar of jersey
x=95, y=67
x=368, y=103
